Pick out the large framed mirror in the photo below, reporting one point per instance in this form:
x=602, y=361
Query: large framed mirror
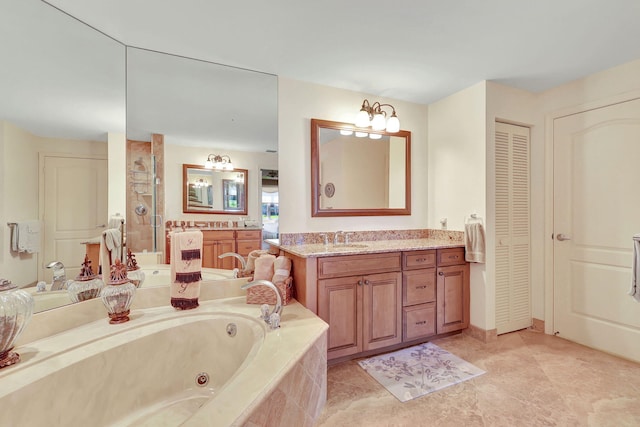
x=359, y=172
x=209, y=191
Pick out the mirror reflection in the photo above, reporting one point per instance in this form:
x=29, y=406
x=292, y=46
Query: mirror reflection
x=214, y=192
x=359, y=172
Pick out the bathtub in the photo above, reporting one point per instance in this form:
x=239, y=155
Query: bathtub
x=160, y=274
x=217, y=365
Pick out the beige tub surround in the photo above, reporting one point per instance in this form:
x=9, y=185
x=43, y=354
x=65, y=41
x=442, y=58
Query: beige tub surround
x=119, y=364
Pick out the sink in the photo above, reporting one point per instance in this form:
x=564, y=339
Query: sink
x=346, y=247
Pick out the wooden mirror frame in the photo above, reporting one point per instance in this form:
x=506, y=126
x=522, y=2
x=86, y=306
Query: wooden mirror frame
x=185, y=192
x=316, y=210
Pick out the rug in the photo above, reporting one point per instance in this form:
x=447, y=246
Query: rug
x=419, y=370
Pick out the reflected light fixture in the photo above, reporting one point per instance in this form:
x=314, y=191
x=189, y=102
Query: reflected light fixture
x=215, y=161
x=373, y=115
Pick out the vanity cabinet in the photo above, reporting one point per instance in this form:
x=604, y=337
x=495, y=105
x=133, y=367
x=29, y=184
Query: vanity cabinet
x=453, y=293
x=217, y=242
x=359, y=296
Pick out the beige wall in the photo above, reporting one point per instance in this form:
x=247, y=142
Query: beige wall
x=457, y=179
x=298, y=103
x=175, y=156
x=19, y=194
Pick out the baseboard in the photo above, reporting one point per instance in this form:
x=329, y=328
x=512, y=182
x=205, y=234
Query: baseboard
x=482, y=334
x=537, y=325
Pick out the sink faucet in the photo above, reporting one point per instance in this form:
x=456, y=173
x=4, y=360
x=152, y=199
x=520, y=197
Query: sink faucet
x=336, y=236
x=59, y=276
x=243, y=262
x=269, y=319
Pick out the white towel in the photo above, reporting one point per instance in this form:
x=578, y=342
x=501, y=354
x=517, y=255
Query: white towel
x=474, y=242
x=26, y=237
x=110, y=250
x=635, y=269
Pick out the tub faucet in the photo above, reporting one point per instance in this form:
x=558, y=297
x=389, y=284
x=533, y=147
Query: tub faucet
x=243, y=262
x=59, y=276
x=269, y=319
x=336, y=236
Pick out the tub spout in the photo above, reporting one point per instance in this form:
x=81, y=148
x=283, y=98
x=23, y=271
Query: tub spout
x=243, y=262
x=277, y=309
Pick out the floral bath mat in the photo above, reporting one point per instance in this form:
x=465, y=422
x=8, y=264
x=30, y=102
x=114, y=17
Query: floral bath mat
x=419, y=370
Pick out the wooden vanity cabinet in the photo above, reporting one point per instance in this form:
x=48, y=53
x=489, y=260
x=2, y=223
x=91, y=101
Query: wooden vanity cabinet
x=453, y=293
x=217, y=242
x=363, y=310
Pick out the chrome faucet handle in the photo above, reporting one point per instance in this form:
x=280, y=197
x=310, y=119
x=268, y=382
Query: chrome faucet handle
x=278, y=307
x=325, y=238
x=336, y=236
x=346, y=237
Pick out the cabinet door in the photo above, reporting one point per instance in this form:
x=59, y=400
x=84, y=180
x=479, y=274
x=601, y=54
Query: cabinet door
x=340, y=305
x=382, y=310
x=209, y=256
x=453, y=298
x=223, y=246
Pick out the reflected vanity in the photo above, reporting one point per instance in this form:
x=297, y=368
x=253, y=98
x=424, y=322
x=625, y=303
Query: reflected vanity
x=359, y=172
x=208, y=191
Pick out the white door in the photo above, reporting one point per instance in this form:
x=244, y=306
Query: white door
x=596, y=213
x=75, y=197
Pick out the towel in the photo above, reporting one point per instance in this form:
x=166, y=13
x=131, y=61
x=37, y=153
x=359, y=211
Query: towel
x=109, y=252
x=186, y=268
x=635, y=269
x=281, y=269
x=116, y=221
x=26, y=237
x=474, y=242
x=251, y=259
x=264, y=267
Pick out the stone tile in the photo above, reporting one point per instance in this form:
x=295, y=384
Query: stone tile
x=532, y=379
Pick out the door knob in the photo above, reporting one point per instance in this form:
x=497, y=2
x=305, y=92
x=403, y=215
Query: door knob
x=562, y=237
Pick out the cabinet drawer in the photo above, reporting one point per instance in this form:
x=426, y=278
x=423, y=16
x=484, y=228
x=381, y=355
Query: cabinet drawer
x=249, y=235
x=209, y=235
x=419, y=321
x=246, y=246
x=418, y=286
x=418, y=259
x=451, y=256
x=354, y=265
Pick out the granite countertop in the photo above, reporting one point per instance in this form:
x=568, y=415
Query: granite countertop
x=361, y=248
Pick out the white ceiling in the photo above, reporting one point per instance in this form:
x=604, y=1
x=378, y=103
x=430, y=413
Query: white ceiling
x=419, y=50
x=55, y=82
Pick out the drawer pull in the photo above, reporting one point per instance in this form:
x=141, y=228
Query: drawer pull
x=421, y=323
x=453, y=257
x=421, y=259
x=421, y=287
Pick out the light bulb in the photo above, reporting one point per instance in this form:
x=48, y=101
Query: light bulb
x=393, y=124
x=361, y=134
x=375, y=136
x=378, y=122
x=208, y=164
x=346, y=132
x=362, y=119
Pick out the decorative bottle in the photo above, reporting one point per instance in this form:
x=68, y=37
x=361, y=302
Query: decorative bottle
x=16, y=308
x=134, y=272
x=117, y=295
x=86, y=285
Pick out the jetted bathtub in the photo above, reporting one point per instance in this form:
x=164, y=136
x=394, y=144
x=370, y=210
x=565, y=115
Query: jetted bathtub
x=217, y=365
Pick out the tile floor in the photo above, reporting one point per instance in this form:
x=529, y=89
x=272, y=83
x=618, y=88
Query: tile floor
x=532, y=379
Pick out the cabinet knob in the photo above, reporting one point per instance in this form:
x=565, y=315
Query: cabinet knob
x=366, y=282
x=359, y=282
x=441, y=273
x=421, y=287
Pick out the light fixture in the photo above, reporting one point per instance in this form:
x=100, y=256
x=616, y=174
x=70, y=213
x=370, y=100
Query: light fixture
x=373, y=115
x=375, y=136
x=361, y=134
x=215, y=161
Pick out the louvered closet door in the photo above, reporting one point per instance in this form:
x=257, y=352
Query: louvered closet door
x=513, y=284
